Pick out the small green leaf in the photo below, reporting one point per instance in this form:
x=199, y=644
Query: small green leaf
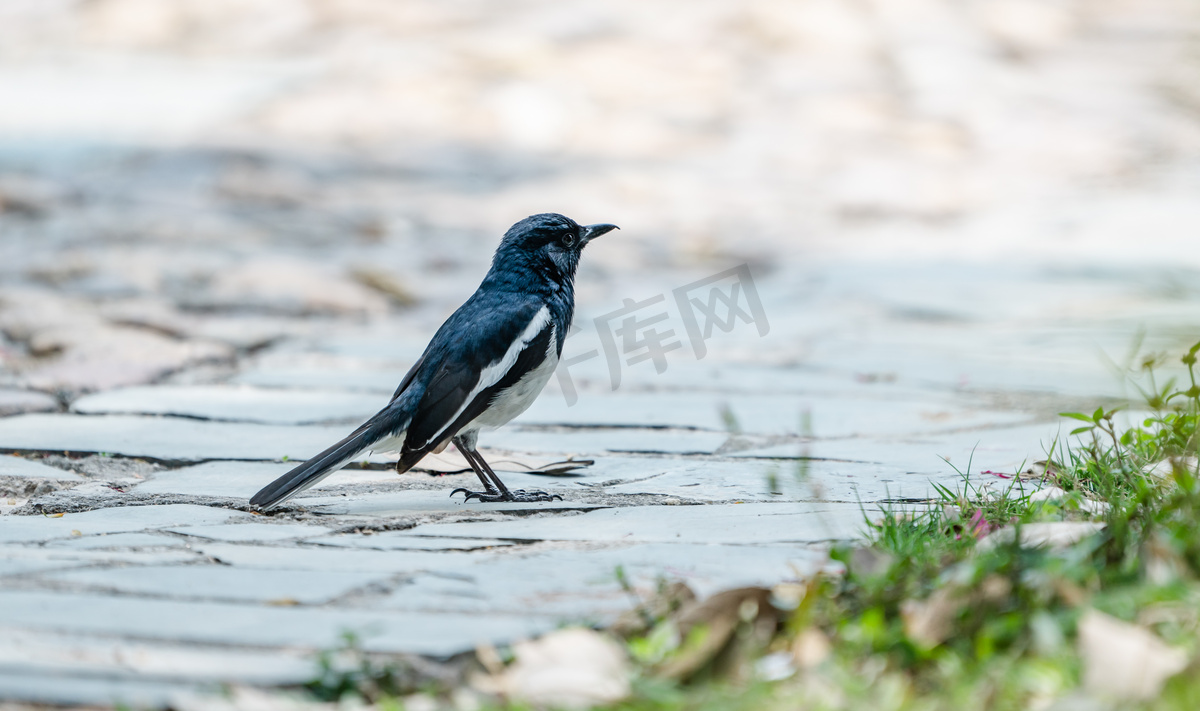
x=1098, y=415
x=1075, y=416
x=1081, y=430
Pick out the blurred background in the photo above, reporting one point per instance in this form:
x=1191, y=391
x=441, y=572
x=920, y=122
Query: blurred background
x=187, y=184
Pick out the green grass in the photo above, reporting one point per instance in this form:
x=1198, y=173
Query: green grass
x=924, y=617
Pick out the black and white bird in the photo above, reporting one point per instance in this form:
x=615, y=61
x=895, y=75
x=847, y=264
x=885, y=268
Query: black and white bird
x=485, y=365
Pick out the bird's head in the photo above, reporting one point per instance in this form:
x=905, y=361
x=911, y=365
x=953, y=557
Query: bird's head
x=549, y=243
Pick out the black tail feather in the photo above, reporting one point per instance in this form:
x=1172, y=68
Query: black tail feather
x=314, y=470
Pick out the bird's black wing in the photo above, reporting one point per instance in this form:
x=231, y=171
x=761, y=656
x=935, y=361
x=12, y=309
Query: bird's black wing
x=500, y=348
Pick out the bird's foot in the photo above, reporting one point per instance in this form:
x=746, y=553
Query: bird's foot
x=518, y=496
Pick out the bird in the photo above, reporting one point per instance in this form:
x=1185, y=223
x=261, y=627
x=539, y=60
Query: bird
x=484, y=366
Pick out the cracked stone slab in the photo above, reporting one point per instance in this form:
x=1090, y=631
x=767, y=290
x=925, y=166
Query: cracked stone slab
x=241, y=479
x=1003, y=449
x=417, y=501
x=584, y=585
x=58, y=687
x=783, y=481
x=164, y=438
x=319, y=558
x=77, y=669
x=130, y=541
x=356, y=379
x=801, y=522
x=220, y=583
x=391, y=541
x=234, y=404
x=597, y=441
x=24, y=560
x=827, y=416
x=12, y=465
x=111, y=520
x=13, y=402
x=252, y=532
x=254, y=625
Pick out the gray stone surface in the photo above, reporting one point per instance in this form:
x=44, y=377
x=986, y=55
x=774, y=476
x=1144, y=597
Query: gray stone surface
x=717, y=523
x=585, y=587
x=139, y=541
x=251, y=532
x=234, y=404
x=13, y=402
x=255, y=625
x=394, y=540
x=120, y=519
x=832, y=415
x=165, y=438
x=19, y=467
x=423, y=501
x=217, y=583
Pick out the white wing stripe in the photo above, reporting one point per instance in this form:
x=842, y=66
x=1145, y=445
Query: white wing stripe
x=495, y=372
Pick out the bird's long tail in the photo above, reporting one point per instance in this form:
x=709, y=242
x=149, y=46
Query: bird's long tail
x=389, y=422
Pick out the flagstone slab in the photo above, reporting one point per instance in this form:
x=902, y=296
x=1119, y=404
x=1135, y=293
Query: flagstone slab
x=104, y=541
x=12, y=465
x=784, y=481
x=1002, y=448
x=348, y=378
x=29, y=559
x=595, y=441
x=391, y=541
x=418, y=501
x=117, y=657
x=164, y=438
x=318, y=558
x=712, y=523
x=111, y=520
x=584, y=586
x=219, y=583
x=254, y=625
x=66, y=688
x=821, y=416
x=13, y=402
x=252, y=532
x=73, y=668
x=234, y=404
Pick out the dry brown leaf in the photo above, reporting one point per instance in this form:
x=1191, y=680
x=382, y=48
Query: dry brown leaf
x=810, y=648
x=572, y=668
x=720, y=616
x=929, y=622
x=667, y=602
x=1124, y=661
x=1051, y=534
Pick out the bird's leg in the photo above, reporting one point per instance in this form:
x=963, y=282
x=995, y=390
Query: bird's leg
x=497, y=491
x=491, y=489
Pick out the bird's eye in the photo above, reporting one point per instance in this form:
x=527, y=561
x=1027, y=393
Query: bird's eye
x=568, y=240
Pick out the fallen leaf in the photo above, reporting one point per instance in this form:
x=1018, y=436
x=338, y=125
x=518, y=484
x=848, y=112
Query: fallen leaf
x=810, y=648
x=1124, y=661
x=572, y=668
x=929, y=622
x=1050, y=534
x=283, y=602
x=708, y=627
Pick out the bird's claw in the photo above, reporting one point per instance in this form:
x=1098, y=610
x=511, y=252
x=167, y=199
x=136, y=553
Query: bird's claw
x=518, y=496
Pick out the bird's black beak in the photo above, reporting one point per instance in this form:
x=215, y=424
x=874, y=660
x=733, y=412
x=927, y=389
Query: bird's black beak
x=587, y=233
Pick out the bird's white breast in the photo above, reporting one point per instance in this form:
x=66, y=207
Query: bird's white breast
x=511, y=402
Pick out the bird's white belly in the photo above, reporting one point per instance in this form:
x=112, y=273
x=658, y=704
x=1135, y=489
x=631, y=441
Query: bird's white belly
x=517, y=399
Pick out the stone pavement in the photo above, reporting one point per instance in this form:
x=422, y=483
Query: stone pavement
x=948, y=217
